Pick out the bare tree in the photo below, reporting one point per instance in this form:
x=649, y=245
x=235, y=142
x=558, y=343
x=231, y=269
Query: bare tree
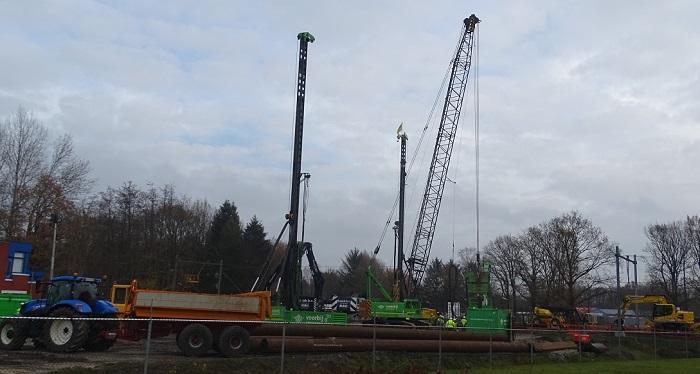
x=692, y=230
x=21, y=161
x=61, y=183
x=669, y=258
x=578, y=252
x=504, y=254
x=467, y=259
x=536, y=272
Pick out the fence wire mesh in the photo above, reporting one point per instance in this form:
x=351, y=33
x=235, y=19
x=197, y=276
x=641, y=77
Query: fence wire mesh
x=67, y=345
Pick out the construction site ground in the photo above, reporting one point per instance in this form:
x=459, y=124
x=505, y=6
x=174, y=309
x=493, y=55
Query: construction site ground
x=128, y=357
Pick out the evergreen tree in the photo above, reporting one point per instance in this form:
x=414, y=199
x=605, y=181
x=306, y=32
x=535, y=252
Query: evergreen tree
x=255, y=250
x=224, y=244
x=433, y=287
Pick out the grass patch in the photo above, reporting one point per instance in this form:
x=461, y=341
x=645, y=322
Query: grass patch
x=614, y=367
x=400, y=362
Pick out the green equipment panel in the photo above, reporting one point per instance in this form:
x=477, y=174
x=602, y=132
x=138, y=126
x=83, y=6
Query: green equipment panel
x=280, y=314
x=396, y=309
x=10, y=302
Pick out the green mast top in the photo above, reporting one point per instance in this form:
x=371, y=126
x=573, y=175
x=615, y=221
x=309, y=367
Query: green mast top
x=306, y=36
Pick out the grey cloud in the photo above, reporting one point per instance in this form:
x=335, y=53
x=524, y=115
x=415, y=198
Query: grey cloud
x=588, y=106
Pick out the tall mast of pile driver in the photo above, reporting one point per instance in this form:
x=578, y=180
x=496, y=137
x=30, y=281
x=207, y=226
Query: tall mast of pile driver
x=399, y=289
x=290, y=288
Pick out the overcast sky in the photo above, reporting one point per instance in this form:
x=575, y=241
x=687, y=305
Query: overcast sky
x=591, y=106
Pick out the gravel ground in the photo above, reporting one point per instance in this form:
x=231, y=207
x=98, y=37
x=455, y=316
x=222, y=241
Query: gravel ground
x=29, y=360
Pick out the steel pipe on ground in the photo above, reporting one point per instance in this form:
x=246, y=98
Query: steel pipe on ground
x=365, y=331
x=273, y=344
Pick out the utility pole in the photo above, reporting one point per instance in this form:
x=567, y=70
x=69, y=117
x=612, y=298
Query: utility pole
x=289, y=282
x=55, y=219
x=619, y=296
x=619, y=256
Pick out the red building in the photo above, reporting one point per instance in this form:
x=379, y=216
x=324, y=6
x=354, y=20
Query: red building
x=14, y=266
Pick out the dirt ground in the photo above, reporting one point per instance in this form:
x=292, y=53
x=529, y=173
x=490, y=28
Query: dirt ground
x=35, y=361
x=164, y=357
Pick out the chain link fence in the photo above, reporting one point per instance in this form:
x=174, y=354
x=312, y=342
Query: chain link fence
x=48, y=344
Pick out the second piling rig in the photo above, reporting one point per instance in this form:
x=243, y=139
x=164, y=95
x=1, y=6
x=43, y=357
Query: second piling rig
x=437, y=175
x=287, y=273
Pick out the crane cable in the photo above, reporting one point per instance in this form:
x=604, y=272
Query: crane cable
x=417, y=149
x=476, y=139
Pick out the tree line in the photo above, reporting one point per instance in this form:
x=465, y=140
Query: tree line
x=568, y=261
x=153, y=234
x=169, y=240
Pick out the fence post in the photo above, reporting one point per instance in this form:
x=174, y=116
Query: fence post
x=439, y=368
x=284, y=336
x=654, y=342
x=579, y=345
x=490, y=348
x=532, y=346
x=148, y=340
x=374, y=342
x=687, y=352
x=619, y=344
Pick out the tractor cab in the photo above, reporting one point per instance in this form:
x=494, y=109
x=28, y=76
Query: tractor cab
x=72, y=288
x=79, y=293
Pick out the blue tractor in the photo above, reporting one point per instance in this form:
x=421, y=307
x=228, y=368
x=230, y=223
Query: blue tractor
x=66, y=298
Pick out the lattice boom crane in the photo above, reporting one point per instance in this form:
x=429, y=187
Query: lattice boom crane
x=437, y=175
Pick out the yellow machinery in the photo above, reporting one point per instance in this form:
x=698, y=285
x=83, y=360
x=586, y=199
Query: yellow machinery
x=665, y=316
x=545, y=318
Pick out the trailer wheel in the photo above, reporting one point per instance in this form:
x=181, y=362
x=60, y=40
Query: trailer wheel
x=195, y=340
x=233, y=341
x=13, y=333
x=65, y=335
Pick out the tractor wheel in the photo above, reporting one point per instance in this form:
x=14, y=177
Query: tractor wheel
x=195, y=340
x=233, y=341
x=65, y=335
x=13, y=333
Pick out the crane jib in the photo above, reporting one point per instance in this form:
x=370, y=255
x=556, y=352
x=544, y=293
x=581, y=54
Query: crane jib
x=437, y=174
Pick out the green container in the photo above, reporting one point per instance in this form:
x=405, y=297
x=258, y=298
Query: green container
x=280, y=314
x=489, y=320
x=10, y=302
